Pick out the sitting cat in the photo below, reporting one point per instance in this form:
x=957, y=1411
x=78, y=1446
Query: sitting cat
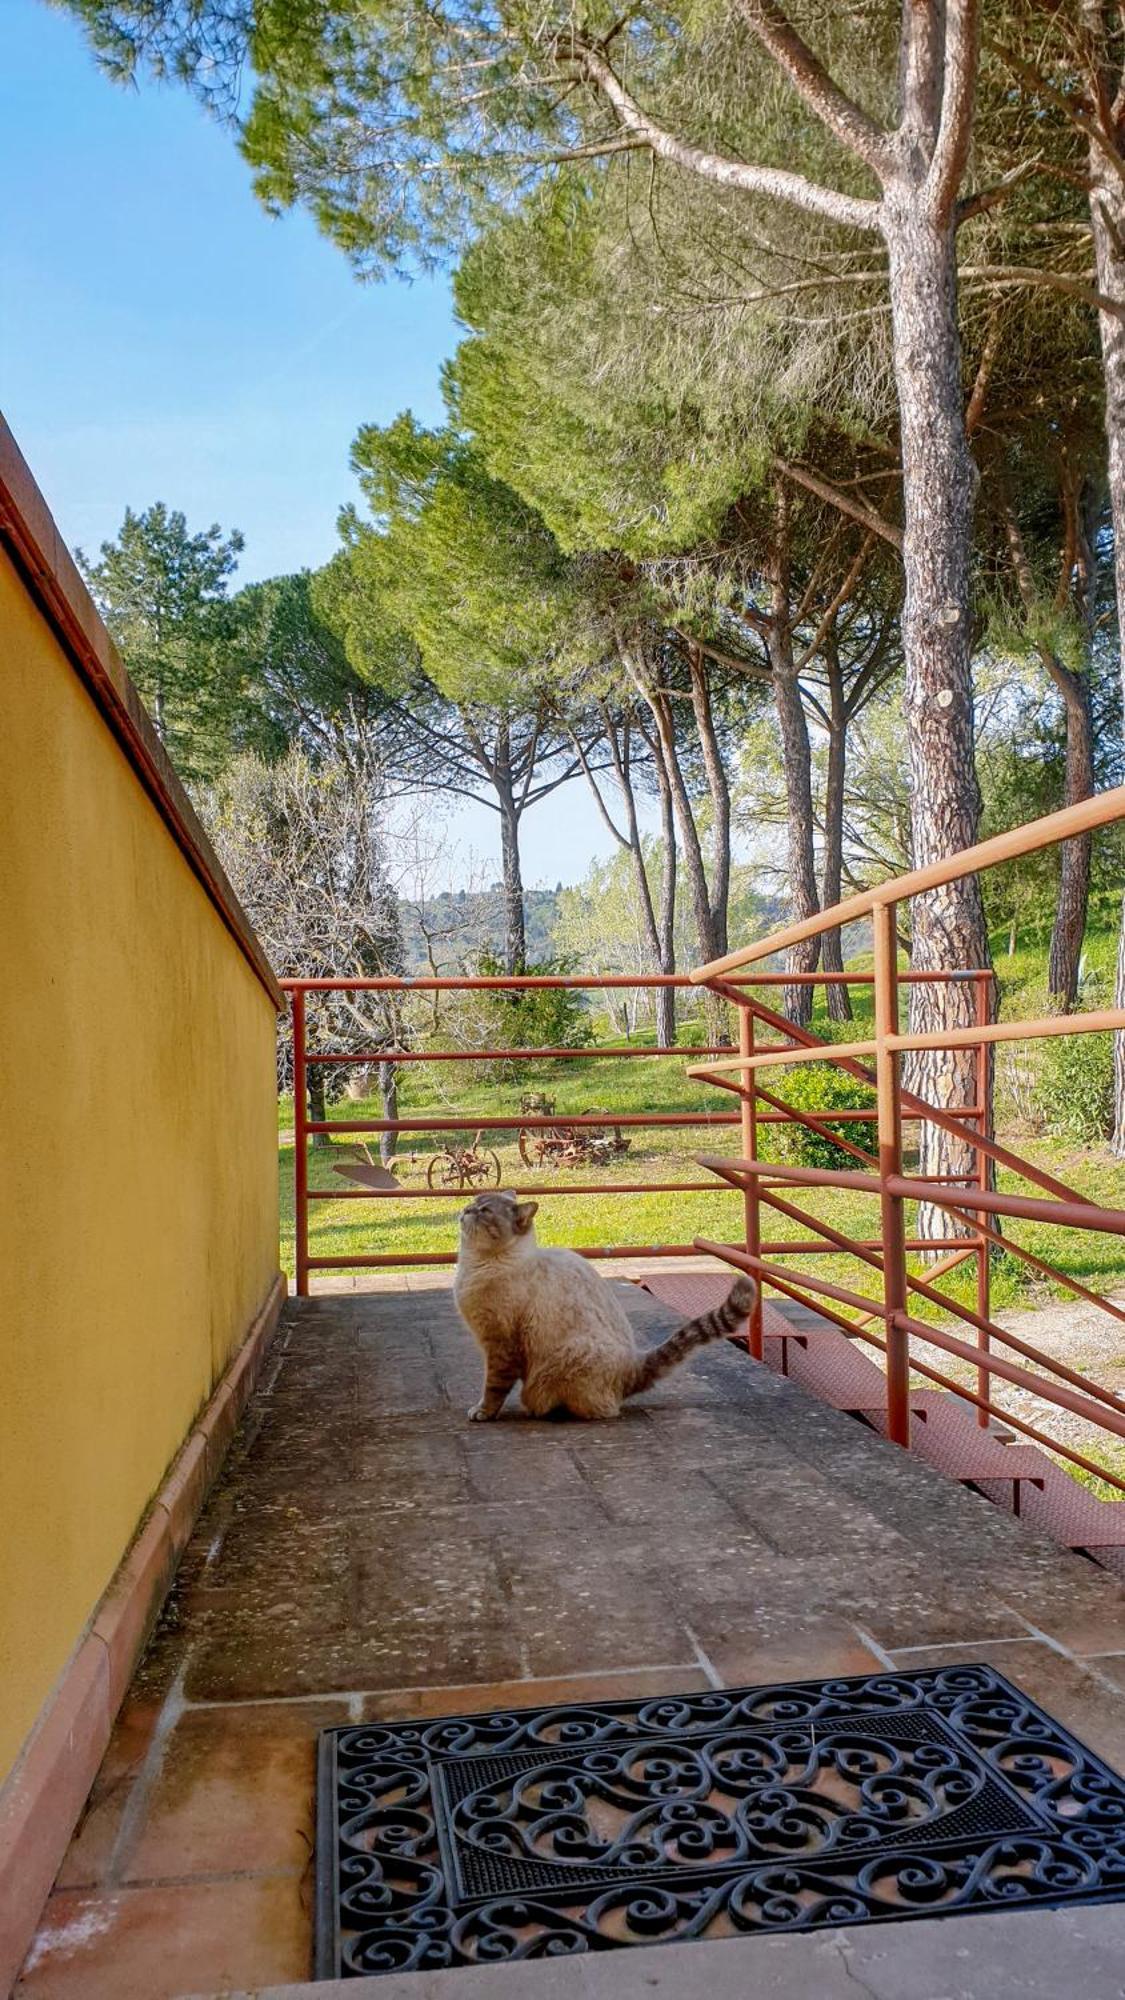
x=545, y=1318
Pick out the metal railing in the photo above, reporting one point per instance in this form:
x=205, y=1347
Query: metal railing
x=973, y=1206
x=767, y=1110
x=968, y=1200
x=302, y=990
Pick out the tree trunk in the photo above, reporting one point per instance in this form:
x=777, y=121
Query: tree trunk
x=648, y=924
x=1118, y=1139
x=1107, y=220
x=654, y=938
x=515, y=937
x=720, y=797
x=939, y=487
x=388, y=1091
x=689, y=832
x=832, y=866
x=709, y=946
x=660, y=708
x=431, y=961
x=666, y=920
x=1069, y=929
x=796, y=758
x=318, y=1106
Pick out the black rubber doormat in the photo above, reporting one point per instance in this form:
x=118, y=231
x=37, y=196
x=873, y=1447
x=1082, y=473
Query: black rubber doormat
x=480, y=1839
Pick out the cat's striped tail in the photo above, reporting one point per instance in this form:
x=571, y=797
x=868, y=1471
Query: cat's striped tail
x=716, y=1325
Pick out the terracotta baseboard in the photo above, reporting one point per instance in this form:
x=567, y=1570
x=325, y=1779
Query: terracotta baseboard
x=42, y=1799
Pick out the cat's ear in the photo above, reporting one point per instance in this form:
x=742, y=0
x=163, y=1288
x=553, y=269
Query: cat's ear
x=525, y=1212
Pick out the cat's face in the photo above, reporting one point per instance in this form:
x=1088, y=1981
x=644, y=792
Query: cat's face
x=492, y=1220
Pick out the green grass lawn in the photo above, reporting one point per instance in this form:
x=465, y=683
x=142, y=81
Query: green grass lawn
x=1023, y=973
x=360, y=1227
x=624, y=1085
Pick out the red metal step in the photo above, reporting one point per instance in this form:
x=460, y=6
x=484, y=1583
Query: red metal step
x=945, y=1432
x=695, y=1292
x=818, y=1356
x=1072, y=1515
x=829, y=1365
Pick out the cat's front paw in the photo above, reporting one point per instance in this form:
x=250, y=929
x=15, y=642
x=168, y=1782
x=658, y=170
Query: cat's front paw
x=480, y=1414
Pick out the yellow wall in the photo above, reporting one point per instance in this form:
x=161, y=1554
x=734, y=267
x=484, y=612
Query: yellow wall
x=138, y=1159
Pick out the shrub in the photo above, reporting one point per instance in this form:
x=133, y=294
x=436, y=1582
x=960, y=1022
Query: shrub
x=817, y=1087
x=545, y=1017
x=536, y=1018
x=1076, y=1087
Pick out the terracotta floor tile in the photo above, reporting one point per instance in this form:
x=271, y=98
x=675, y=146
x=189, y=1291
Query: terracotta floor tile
x=1076, y=1695
x=925, y=1604
x=806, y=1654
x=496, y=1471
x=1109, y=1666
x=1089, y=1633
x=408, y=1467
x=368, y=1659
x=235, y=1793
x=87, y=1859
x=415, y=1704
x=154, y=1944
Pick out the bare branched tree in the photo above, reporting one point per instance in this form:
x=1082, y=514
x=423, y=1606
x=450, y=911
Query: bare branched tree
x=303, y=846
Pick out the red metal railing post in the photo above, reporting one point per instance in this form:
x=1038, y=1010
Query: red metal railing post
x=888, y=1086
x=751, y=1202
x=984, y=1276
x=300, y=1144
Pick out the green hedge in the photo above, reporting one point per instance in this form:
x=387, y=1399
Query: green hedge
x=1075, y=1087
x=817, y=1087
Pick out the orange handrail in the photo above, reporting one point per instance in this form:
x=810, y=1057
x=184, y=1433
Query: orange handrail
x=1106, y=1021
x=965, y=1196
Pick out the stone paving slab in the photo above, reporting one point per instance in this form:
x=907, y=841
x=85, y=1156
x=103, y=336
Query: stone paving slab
x=1025, y=1955
x=367, y=1553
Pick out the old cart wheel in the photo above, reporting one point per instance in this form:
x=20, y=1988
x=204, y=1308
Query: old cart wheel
x=444, y=1170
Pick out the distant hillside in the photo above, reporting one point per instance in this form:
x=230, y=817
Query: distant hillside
x=464, y=923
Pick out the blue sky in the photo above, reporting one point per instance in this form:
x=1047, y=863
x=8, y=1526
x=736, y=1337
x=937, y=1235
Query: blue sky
x=162, y=338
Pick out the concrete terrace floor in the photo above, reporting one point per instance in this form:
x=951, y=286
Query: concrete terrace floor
x=367, y=1553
